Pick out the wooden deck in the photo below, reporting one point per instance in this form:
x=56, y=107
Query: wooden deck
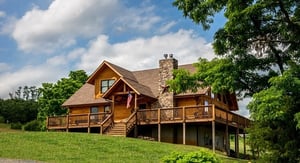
x=189, y=114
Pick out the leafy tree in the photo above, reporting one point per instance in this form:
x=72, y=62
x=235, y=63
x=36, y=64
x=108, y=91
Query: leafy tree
x=54, y=94
x=258, y=48
x=21, y=107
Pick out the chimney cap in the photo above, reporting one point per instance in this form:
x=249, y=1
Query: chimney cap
x=166, y=56
x=171, y=55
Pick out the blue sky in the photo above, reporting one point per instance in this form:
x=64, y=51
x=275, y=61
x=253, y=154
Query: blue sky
x=43, y=40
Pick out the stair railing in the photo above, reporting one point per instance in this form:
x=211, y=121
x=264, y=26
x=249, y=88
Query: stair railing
x=108, y=122
x=131, y=122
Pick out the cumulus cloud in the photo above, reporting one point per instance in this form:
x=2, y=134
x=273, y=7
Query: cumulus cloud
x=63, y=23
x=142, y=53
x=30, y=76
x=4, y=67
x=60, y=25
x=2, y=14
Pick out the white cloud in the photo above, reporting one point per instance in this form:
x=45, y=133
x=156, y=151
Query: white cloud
x=167, y=26
x=30, y=76
x=4, y=67
x=60, y=25
x=2, y=14
x=142, y=53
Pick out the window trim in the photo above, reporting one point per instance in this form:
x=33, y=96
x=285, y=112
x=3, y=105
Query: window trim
x=108, y=83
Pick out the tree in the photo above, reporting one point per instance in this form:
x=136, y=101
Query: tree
x=21, y=107
x=257, y=45
x=54, y=94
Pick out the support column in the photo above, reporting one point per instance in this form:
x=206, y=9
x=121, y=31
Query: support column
x=237, y=142
x=227, y=139
x=158, y=132
x=213, y=127
x=183, y=132
x=244, y=143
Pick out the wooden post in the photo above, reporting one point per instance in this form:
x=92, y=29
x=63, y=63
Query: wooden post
x=68, y=121
x=89, y=120
x=135, y=101
x=183, y=133
x=237, y=142
x=158, y=132
x=244, y=143
x=227, y=146
x=159, y=125
x=213, y=136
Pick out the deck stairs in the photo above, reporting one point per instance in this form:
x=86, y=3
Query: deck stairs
x=118, y=129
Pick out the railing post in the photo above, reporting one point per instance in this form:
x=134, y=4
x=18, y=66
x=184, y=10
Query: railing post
x=183, y=114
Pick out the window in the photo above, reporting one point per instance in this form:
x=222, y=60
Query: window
x=94, y=109
x=107, y=109
x=106, y=84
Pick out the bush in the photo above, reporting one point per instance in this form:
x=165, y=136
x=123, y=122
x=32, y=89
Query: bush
x=34, y=125
x=199, y=156
x=17, y=126
x=2, y=119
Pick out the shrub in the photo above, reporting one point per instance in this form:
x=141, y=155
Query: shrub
x=2, y=119
x=199, y=156
x=17, y=126
x=34, y=125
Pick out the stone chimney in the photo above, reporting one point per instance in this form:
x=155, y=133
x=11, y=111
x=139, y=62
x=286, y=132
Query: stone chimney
x=166, y=67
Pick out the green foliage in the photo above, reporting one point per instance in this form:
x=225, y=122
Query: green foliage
x=259, y=46
x=199, y=156
x=18, y=110
x=275, y=112
x=54, y=94
x=2, y=119
x=34, y=125
x=16, y=125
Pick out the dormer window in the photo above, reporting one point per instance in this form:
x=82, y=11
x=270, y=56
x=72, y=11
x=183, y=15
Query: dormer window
x=106, y=84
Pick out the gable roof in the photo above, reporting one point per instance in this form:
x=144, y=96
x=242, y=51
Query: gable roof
x=143, y=82
x=84, y=96
x=117, y=69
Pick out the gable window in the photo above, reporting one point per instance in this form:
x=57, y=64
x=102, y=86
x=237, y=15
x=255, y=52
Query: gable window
x=106, y=84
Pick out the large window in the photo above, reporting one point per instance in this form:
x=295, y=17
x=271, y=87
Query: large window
x=105, y=84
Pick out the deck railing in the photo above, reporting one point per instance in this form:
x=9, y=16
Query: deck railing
x=77, y=120
x=197, y=113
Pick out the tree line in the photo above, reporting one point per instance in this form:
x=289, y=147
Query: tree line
x=29, y=103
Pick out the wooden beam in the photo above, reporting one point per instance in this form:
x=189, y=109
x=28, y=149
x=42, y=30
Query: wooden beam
x=135, y=101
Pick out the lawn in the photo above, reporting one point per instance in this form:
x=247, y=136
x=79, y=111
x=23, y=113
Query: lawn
x=83, y=147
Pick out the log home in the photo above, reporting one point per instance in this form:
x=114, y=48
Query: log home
x=116, y=101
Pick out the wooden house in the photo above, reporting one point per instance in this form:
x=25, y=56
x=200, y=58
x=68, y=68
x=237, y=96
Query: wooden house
x=116, y=101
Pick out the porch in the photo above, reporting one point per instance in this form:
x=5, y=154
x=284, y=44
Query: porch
x=201, y=114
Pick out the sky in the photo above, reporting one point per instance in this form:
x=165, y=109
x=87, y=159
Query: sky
x=43, y=40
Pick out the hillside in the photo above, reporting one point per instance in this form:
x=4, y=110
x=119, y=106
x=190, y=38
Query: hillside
x=82, y=147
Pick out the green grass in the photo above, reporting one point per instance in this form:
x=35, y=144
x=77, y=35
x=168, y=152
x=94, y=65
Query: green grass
x=83, y=147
